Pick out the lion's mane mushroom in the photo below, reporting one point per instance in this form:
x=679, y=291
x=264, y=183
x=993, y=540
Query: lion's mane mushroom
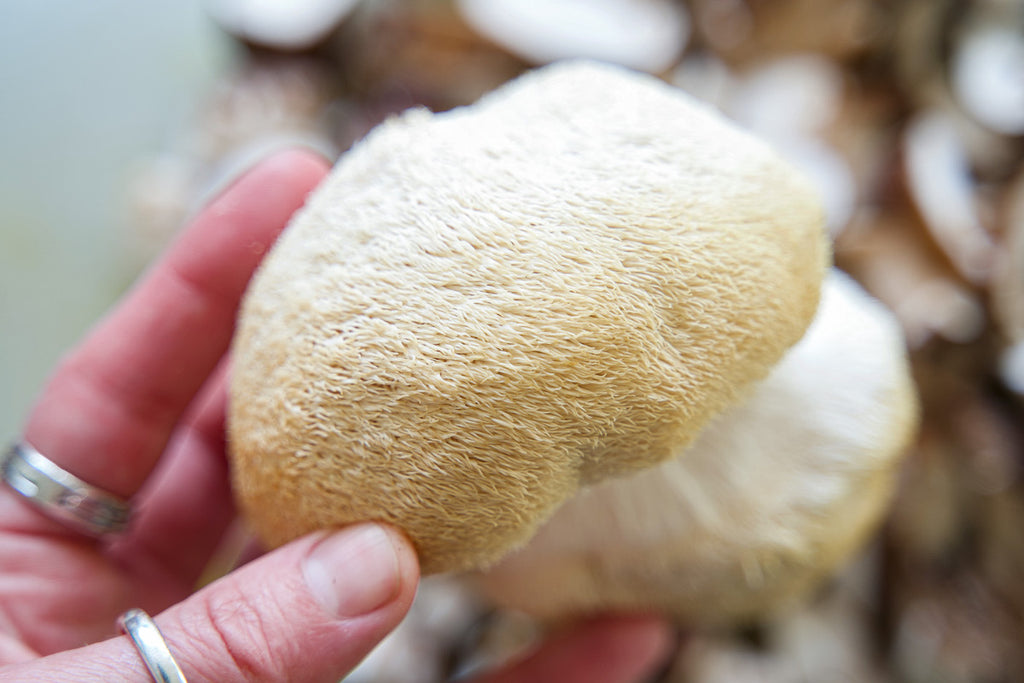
x=480, y=311
x=773, y=496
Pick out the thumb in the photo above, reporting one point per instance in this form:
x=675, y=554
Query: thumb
x=309, y=611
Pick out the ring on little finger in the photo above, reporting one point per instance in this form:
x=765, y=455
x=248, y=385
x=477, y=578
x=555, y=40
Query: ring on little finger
x=151, y=646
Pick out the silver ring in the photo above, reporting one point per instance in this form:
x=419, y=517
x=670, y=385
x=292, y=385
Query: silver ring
x=61, y=495
x=151, y=645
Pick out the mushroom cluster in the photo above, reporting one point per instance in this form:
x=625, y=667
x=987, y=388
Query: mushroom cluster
x=775, y=494
x=481, y=311
x=904, y=115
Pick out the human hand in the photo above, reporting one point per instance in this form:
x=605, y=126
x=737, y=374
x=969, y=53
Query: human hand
x=144, y=395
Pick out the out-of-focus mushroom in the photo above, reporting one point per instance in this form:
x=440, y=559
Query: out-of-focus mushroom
x=1011, y=367
x=1008, y=286
x=775, y=494
x=1001, y=548
x=988, y=77
x=287, y=25
x=392, y=56
x=482, y=310
x=418, y=650
x=827, y=639
x=954, y=629
x=918, y=32
x=274, y=97
x=938, y=176
x=275, y=101
x=793, y=95
x=789, y=102
x=892, y=255
x=648, y=35
x=747, y=31
x=706, y=77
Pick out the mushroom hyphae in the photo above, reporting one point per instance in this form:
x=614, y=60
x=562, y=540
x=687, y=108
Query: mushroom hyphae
x=775, y=493
x=480, y=311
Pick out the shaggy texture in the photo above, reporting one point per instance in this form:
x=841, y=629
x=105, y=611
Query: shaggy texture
x=481, y=310
x=774, y=495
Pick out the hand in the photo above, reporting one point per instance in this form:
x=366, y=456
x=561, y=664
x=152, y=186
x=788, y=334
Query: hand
x=144, y=395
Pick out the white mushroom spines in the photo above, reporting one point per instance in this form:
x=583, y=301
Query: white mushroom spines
x=481, y=310
x=774, y=495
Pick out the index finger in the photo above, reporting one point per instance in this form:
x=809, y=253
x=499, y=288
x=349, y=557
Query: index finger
x=108, y=411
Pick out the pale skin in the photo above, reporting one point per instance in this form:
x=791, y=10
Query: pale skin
x=144, y=394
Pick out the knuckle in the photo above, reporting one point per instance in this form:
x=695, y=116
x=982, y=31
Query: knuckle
x=237, y=635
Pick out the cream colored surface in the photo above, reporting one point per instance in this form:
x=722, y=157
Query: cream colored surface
x=772, y=497
x=481, y=310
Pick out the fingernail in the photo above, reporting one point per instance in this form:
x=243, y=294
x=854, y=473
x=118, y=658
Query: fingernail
x=354, y=571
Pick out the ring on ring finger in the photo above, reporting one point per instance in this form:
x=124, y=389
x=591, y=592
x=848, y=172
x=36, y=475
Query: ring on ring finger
x=62, y=496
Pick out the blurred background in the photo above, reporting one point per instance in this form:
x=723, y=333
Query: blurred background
x=120, y=118
x=92, y=92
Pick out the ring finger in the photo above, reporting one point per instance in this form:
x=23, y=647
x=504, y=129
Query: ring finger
x=107, y=413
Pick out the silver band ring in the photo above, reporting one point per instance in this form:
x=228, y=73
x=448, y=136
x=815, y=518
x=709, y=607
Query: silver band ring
x=61, y=495
x=151, y=645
